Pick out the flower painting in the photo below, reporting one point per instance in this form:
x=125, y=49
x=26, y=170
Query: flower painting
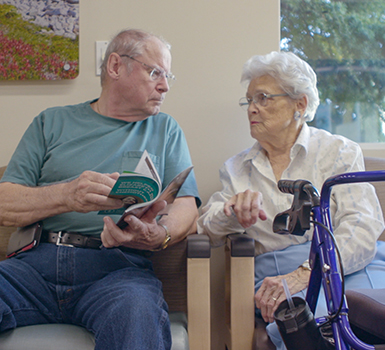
x=39, y=39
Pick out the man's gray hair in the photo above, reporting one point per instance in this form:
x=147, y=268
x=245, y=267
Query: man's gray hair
x=132, y=42
x=294, y=75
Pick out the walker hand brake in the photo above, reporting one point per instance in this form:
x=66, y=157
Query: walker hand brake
x=296, y=220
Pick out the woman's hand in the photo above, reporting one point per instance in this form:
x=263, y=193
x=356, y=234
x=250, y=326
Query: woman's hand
x=271, y=293
x=247, y=206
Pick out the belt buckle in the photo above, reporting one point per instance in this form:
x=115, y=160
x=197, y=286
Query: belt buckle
x=59, y=238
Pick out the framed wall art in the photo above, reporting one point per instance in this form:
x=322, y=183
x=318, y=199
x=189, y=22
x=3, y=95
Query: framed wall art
x=39, y=39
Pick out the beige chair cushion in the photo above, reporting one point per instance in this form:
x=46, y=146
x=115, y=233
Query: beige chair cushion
x=372, y=164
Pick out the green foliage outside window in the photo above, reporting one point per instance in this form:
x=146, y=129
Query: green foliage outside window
x=344, y=41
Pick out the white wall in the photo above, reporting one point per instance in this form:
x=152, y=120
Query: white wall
x=211, y=39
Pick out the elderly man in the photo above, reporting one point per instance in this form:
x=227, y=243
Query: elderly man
x=61, y=174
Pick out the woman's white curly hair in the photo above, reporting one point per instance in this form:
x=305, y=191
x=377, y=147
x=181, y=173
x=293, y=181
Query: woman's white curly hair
x=294, y=75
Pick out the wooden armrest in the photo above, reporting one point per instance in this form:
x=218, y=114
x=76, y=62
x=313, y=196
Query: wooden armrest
x=198, y=292
x=241, y=245
x=371, y=164
x=198, y=246
x=239, y=284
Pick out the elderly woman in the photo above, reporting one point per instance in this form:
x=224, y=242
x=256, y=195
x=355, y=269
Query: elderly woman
x=281, y=97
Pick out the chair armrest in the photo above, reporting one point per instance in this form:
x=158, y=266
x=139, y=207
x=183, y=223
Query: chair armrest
x=198, y=246
x=198, y=292
x=241, y=245
x=239, y=284
x=376, y=163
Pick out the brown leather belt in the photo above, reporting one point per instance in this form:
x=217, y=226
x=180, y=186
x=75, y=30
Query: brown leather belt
x=71, y=239
x=76, y=239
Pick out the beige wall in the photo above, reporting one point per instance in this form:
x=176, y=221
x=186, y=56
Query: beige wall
x=211, y=39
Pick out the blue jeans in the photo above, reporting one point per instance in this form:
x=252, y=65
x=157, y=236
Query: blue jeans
x=287, y=260
x=113, y=294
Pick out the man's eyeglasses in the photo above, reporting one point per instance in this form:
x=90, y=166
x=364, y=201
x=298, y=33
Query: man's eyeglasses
x=259, y=99
x=156, y=73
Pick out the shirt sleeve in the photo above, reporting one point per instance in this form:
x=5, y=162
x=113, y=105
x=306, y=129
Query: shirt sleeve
x=213, y=221
x=356, y=217
x=178, y=159
x=24, y=166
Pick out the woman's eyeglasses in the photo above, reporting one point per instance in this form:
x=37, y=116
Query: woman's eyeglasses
x=259, y=99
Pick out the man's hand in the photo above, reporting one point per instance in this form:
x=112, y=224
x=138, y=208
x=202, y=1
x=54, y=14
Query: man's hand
x=89, y=192
x=271, y=293
x=143, y=233
x=247, y=206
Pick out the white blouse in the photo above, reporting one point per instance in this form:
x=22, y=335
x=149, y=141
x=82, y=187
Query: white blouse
x=355, y=210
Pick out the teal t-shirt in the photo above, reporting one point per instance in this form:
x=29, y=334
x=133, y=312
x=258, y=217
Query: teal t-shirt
x=62, y=142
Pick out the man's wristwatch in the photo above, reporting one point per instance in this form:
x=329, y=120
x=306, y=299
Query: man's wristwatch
x=166, y=241
x=305, y=266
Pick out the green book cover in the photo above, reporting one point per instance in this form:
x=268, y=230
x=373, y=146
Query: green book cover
x=136, y=188
x=132, y=189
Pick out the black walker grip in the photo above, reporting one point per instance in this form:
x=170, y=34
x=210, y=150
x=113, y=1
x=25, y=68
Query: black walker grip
x=287, y=186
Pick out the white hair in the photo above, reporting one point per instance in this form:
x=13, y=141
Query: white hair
x=294, y=75
x=132, y=42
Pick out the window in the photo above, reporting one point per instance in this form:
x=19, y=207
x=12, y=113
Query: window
x=344, y=42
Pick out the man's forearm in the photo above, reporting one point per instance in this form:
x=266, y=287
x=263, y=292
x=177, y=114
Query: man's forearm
x=22, y=205
x=181, y=218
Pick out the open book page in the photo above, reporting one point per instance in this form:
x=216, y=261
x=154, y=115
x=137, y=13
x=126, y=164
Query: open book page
x=169, y=194
x=147, y=167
